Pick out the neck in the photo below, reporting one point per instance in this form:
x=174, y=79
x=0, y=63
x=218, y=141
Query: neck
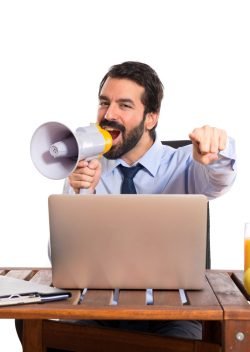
x=139, y=150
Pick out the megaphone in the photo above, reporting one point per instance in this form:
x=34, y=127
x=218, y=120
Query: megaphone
x=55, y=150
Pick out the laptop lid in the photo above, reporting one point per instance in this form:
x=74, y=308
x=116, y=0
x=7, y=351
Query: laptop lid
x=128, y=241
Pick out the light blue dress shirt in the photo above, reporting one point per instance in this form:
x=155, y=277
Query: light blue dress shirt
x=171, y=171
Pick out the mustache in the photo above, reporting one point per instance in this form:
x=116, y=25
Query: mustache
x=112, y=124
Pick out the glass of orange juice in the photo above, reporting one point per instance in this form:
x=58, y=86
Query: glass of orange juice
x=247, y=257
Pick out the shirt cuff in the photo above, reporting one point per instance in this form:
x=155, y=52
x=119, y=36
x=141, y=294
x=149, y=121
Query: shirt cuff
x=228, y=155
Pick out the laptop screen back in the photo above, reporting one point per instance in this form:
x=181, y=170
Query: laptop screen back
x=128, y=241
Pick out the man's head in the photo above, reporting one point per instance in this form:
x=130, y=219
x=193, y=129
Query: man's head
x=130, y=96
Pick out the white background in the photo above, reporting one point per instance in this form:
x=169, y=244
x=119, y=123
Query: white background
x=53, y=56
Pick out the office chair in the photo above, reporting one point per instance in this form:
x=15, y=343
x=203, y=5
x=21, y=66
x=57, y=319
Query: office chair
x=87, y=338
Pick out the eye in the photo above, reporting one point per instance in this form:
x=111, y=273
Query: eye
x=103, y=103
x=125, y=106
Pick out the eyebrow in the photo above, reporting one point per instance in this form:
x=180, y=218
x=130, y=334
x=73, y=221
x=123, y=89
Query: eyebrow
x=126, y=100
x=103, y=97
x=121, y=100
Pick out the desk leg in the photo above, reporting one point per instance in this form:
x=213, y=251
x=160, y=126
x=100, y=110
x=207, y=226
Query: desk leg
x=236, y=335
x=32, y=335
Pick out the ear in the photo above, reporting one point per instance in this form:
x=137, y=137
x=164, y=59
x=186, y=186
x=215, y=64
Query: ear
x=151, y=120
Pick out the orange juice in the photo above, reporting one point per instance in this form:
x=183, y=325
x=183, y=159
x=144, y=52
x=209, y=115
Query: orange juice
x=247, y=264
x=247, y=254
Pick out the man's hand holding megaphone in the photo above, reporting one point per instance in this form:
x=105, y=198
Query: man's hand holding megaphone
x=86, y=175
x=57, y=153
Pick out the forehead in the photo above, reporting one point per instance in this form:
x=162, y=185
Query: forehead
x=120, y=88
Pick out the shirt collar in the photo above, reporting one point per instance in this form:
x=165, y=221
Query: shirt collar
x=150, y=160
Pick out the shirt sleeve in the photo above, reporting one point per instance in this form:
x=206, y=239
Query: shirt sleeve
x=67, y=189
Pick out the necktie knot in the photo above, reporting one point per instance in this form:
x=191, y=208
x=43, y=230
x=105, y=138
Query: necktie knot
x=128, y=175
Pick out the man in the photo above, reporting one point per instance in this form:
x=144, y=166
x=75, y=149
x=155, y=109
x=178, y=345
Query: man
x=130, y=96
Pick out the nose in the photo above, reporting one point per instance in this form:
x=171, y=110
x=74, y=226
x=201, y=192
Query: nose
x=111, y=113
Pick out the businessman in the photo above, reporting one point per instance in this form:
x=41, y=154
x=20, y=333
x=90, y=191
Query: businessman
x=130, y=96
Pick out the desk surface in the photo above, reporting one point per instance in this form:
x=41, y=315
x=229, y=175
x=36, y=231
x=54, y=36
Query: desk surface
x=220, y=300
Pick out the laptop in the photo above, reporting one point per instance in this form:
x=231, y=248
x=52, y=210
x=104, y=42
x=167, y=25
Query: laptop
x=128, y=241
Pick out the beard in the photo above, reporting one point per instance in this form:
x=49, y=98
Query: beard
x=130, y=139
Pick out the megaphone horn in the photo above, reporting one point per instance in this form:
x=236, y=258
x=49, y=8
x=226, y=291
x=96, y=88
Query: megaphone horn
x=55, y=150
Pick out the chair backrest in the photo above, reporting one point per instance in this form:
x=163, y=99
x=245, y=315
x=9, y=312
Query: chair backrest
x=177, y=144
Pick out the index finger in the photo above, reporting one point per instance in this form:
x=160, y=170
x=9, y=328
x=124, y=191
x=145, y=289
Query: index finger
x=82, y=163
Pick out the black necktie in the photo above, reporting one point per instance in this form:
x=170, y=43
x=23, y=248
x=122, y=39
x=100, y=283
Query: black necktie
x=129, y=173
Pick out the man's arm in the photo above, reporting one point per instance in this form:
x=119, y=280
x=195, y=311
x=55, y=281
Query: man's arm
x=213, y=171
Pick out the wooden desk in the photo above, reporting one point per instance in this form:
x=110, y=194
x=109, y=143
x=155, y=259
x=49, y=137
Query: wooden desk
x=221, y=304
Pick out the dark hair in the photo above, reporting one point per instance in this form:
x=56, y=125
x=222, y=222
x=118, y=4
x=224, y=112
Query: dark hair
x=146, y=77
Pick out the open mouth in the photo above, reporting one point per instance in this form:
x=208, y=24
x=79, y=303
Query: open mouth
x=114, y=133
